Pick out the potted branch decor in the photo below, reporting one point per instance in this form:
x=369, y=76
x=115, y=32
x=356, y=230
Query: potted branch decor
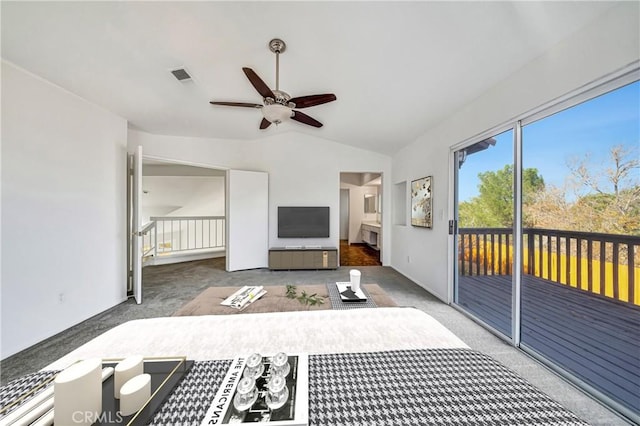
x=304, y=298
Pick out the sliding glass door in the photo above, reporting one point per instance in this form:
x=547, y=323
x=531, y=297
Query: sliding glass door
x=547, y=244
x=484, y=176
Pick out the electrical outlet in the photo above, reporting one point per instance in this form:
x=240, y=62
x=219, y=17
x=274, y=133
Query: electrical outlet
x=408, y=259
x=61, y=297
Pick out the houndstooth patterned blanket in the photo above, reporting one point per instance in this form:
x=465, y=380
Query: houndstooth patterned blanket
x=406, y=387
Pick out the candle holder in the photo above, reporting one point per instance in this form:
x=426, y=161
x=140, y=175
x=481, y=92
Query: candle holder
x=280, y=365
x=246, y=394
x=254, y=367
x=277, y=392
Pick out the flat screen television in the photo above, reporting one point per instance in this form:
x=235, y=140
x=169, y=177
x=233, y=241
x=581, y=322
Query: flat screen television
x=303, y=222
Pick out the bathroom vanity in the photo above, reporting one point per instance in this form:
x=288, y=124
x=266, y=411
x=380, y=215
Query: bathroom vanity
x=370, y=234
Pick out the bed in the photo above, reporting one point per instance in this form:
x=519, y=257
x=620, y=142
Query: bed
x=379, y=366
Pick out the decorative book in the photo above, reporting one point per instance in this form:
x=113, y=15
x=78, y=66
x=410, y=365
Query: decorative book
x=244, y=297
x=348, y=295
x=294, y=411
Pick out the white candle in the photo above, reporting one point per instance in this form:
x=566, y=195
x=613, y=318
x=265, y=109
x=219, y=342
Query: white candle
x=77, y=393
x=106, y=373
x=134, y=394
x=355, y=280
x=125, y=370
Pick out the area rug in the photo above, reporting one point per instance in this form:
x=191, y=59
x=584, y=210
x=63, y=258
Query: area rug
x=208, y=302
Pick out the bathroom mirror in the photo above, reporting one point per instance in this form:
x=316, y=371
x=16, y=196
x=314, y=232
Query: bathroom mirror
x=370, y=203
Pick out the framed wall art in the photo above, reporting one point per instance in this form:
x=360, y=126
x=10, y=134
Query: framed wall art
x=421, y=205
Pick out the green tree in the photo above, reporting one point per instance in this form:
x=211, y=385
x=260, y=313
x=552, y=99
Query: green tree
x=493, y=208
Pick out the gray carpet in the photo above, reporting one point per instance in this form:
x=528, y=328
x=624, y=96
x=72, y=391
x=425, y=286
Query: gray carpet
x=168, y=287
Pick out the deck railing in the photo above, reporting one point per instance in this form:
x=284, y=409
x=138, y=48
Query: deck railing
x=605, y=264
x=170, y=234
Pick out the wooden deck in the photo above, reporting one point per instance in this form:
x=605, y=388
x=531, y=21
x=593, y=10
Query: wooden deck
x=594, y=337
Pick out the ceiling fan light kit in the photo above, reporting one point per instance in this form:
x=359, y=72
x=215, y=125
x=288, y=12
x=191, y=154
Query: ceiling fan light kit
x=276, y=113
x=278, y=106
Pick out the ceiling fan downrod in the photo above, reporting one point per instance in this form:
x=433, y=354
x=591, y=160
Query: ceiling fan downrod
x=277, y=46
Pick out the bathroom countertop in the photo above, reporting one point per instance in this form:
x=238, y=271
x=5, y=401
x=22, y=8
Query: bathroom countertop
x=371, y=223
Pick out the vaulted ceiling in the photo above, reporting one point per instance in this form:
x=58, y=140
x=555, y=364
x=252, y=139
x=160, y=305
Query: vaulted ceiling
x=397, y=68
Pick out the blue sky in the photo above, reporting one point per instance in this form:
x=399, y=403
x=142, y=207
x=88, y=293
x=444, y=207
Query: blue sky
x=591, y=127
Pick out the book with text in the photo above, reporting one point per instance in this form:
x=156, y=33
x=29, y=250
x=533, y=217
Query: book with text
x=244, y=297
x=294, y=412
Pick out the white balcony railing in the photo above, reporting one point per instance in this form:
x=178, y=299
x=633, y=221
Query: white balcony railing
x=183, y=234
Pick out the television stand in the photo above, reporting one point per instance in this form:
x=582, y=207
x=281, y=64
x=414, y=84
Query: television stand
x=288, y=258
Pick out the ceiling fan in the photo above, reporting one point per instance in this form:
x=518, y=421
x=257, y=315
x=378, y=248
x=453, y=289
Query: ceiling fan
x=278, y=106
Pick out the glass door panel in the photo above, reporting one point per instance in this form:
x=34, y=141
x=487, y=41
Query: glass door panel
x=484, y=240
x=580, y=305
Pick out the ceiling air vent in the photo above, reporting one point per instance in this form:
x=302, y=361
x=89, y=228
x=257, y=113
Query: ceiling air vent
x=181, y=74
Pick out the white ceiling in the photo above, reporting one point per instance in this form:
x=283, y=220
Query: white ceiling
x=397, y=68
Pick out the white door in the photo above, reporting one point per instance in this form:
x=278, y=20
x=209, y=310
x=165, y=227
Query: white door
x=247, y=220
x=136, y=225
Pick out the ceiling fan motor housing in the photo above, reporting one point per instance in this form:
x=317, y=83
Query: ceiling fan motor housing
x=282, y=98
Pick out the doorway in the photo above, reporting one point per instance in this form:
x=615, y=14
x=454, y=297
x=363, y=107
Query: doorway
x=360, y=219
x=176, y=213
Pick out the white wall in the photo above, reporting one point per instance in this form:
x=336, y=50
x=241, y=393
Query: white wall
x=604, y=46
x=207, y=199
x=182, y=196
x=303, y=170
x=63, y=209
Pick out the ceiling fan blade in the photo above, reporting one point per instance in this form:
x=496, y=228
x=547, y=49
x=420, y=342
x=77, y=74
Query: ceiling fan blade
x=264, y=123
x=257, y=82
x=236, y=104
x=304, y=118
x=312, y=100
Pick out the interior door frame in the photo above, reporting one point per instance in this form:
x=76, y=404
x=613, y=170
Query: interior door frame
x=135, y=234
x=344, y=209
x=129, y=180
x=133, y=230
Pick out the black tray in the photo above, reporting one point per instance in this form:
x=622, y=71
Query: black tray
x=165, y=373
